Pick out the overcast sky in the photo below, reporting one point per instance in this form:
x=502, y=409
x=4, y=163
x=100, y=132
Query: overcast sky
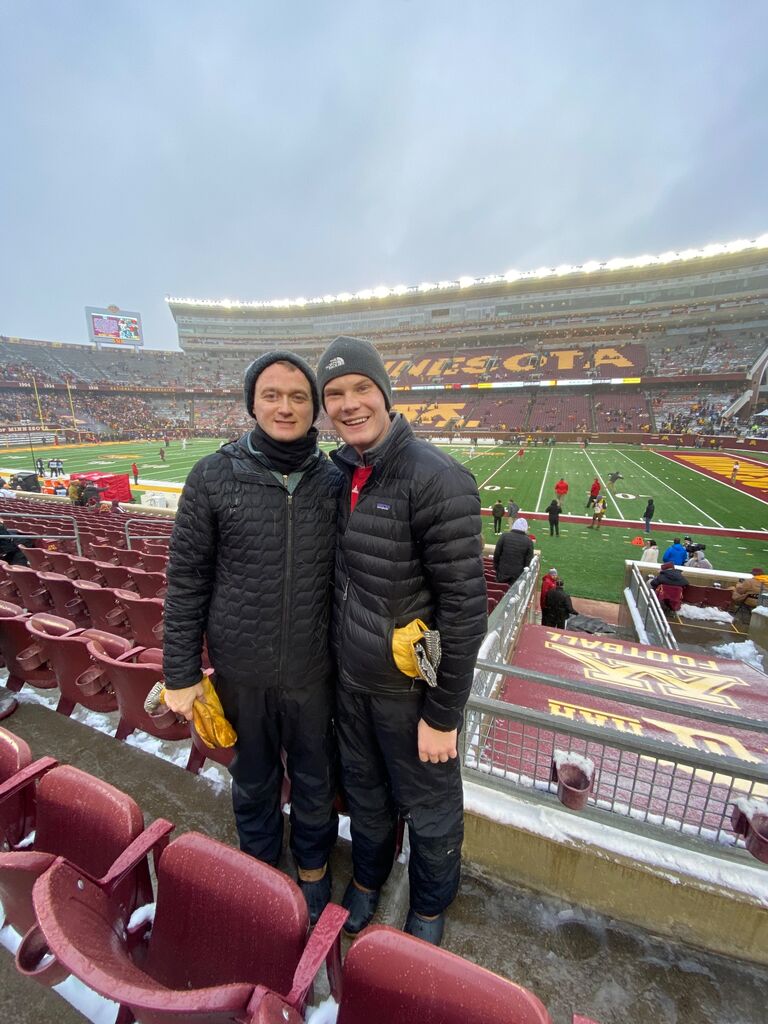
x=274, y=149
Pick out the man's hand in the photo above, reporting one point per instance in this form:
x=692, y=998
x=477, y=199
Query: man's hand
x=181, y=701
x=436, y=746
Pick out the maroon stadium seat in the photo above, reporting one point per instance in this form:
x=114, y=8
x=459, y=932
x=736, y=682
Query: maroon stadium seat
x=66, y=600
x=103, y=608
x=34, y=597
x=144, y=615
x=16, y=813
x=65, y=649
x=24, y=664
x=226, y=927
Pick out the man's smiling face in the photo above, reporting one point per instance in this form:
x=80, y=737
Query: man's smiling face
x=358, y=410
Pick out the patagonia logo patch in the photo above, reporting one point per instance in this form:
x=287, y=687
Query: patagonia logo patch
x=382, y=506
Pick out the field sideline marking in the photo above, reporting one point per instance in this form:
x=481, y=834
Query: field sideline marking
x=699, y=510
x=544, y=480
x=607, y=489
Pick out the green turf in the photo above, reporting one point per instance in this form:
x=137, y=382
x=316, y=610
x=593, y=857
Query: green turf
x=590, y=561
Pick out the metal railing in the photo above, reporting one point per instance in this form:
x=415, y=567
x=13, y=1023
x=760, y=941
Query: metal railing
x=141, y=536
x=75, y=535
x=504, y=624
x=648, y=618
x=662, y=789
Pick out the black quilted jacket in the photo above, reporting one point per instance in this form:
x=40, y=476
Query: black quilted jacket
x=251, y=567
x=411, y=549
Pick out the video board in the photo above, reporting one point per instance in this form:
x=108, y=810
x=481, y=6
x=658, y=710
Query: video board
x=113, y=326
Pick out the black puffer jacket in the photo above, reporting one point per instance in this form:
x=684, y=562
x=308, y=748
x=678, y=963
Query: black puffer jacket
x=411, y=549
x=251, y=567
x=513, y=552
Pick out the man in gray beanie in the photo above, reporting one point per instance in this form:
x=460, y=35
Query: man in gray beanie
x=250, y=572
x=410, y=548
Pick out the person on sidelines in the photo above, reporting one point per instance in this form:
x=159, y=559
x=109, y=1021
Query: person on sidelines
x=512, y=509
x=650, y=512
x=670, y=575
x=498, y=512
x=598, y=511
x=558, y=606
x=135, y=471
x=675, y=553
x=251, y=571
x=697, y=559
x=734, y=472
x=553, y=511
x=651, y=552
x=561, y=492
x=513, y=552
x=548, y=581
x=750, y=587
x=594, y=491
x=409, y=553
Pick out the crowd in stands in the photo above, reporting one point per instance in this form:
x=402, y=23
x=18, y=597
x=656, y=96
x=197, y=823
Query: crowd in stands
x=709, y=353
x=619, y=412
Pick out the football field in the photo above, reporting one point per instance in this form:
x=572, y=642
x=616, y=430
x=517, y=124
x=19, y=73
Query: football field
x=691, y=489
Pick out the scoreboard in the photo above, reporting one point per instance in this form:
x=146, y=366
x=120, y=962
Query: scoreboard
x=113, y=326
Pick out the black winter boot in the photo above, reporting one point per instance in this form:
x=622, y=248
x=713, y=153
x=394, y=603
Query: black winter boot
x=424, y=928
x=361, y=906
x=317, y=894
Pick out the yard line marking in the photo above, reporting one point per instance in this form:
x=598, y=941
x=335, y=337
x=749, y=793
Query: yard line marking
x=544, y=479
x=597, y=474
x=485, y=482
x=699, y=510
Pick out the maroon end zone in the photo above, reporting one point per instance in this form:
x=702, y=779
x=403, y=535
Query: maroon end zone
x=639, y=785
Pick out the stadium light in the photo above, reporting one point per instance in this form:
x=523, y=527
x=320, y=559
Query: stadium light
x=510, y=277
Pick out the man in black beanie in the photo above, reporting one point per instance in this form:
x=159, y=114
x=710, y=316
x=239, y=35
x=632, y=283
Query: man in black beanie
x=410, y=547
x=250, y=571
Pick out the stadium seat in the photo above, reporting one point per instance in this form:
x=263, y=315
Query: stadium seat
x=37, y=557
x=104, y=611
x=154, y=563
x=16, y=813
x=104, y=553
x=78, y=817
x=86, y=569
x=149, y=584
x=144, y=615
x=132, y=675
x=228, y=931
x=708, y=597
x=24, y=665
x=66, y=600
x=61, y=563
x=117, y=575
x=65, y=649
x=129, y=557
x=34, y=597
x=389, y=976
x=8, y=590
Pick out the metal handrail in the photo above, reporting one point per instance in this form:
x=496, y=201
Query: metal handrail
x=75, y=535
x=144, y=536
x=647, y=612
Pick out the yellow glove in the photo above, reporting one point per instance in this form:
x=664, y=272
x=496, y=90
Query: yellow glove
x=416, y=651
x=207, y=714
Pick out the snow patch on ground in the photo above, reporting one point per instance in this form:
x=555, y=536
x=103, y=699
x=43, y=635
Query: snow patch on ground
x=746, y=651
x=673, y=862
x=325, y=1013
x=692, y=611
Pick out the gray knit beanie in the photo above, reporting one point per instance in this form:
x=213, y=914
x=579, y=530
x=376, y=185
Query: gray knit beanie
x=258, y=366
x=353, y=355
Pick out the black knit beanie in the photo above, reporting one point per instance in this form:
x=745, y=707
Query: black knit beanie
x=353, y=355
x=258, y=366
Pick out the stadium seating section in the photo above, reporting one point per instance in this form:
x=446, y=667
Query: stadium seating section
x=199, y=392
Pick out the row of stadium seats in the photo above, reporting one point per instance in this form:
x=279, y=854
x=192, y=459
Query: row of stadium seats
x=217, y=937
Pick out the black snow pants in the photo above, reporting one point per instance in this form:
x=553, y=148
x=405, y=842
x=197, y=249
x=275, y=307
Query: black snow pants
x=382, y=776
x=299, y=722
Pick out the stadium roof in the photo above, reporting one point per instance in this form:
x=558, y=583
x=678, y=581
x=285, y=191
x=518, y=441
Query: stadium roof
x=434, y=289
